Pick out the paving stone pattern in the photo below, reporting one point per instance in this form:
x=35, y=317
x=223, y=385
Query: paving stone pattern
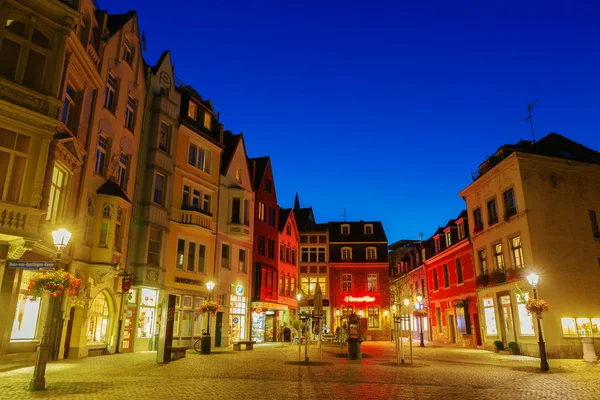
x=273, y=371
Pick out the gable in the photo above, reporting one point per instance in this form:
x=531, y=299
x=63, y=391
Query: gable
x=239, y=161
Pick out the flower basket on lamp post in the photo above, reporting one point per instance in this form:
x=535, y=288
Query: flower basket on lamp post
x=53, y=283
x=208, y=307
x=537, y=306
x=419, y=313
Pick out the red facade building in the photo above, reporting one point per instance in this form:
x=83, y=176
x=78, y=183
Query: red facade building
x=451, y=285
x=265, y=307
x=287, y=266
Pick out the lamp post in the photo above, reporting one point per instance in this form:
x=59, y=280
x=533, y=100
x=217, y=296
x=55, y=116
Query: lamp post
x=60, y=238
x=533, y=280
x=420, y=300
x=210, y=285
x=407, y=303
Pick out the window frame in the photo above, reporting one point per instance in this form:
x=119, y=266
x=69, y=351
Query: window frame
x=373, y=250
x=492, y=210
x=348, y=251
x=162, y=190
x=346, y=283
x=110, y=92
x=130, y=114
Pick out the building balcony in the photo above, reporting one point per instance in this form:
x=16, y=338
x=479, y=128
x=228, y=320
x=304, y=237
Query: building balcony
x=164, y=105
x=194, y=217
x=236, y=228
x=30, y=99
x=19, y=221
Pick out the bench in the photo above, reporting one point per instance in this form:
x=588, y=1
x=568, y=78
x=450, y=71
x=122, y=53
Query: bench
x=249, y=345
x=178, y=352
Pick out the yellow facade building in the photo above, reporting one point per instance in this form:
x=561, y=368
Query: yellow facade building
x=534, y=209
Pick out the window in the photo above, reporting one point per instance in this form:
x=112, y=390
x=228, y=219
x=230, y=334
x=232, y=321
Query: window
x=373, y=315
x=517, y=252
x=130, y=113
x=192, y=154
x=191, y=257
x=322, y=239
x=101, y=154
x=57, y=189
x=438, y=246
x=435, y=280
x=459, y=271
x=68, y=116
x=164, y=137
x=99, y=319
x=103, y=242
x=462, y=320
x=446, y=277
x=498, y=257
x=207, y=120
x=107, y=211
x=110, y=93
x=122, y=170
x=271, y=249
x=164, y=91
x=492, y=212
x=201, y=258
x=582, y=327
x=371, y=253
x=448, y=239
x=192, y=110
x=180, y=254
x=246, y=212
x=225, y=252
x=346, y=283
x=27, y=311
x=235, y=210
x=154, y=246
x=482, y=256
x=206, y=203
x=346, y=253
x=238, y=175
x=281, y=279
x=510, y=206
x=308, y=284
x=261, y=210
x=261, y=245
x=242, y=261
x=287, y=255
x=118, y=230
x=368, y=229
x=525, y=318
x=438, y=319
x=372, y=283
x=127, y=52
x=491, y=329
x=159, y=187
x=461, y=231
x=272, y=216
x=345, y=229
x=293, y=257
x=594, y=222
x=268, y=185
x=478, y=220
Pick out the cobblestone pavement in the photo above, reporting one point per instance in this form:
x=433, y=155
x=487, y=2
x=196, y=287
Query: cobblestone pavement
x=273, y=371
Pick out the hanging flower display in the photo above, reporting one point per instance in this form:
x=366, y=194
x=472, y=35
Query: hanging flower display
x=536, y=306
x=54, y=283
x=208, y=307
x=420, y=313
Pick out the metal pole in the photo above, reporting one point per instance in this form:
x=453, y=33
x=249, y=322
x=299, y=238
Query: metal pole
x=401, y=338
x=410, y=327
x=421, y=325
x=543, y=360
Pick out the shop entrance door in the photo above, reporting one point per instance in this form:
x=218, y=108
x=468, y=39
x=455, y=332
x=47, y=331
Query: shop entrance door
x=477, y=329
x=219, y=329
x=269, y=328
x=452, y=328
x=508, y=330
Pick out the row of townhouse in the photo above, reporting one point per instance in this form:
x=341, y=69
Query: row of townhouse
x=532, y=208
x=136, y=165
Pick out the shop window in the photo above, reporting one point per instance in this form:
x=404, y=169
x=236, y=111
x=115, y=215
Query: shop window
x=462, y=320
x=373, y=315
x=147, y=313
x=99, y=319
x=525, y=319
x=27, y=312
x=491, y=328
x=197, y=322
x=14, y=149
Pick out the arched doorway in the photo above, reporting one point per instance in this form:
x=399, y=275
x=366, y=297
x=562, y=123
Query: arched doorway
x=100, y=325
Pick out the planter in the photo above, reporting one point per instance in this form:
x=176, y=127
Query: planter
x=589, y=353
x=483, y=280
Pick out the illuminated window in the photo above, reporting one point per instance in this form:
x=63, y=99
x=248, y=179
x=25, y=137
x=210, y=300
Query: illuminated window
x=147, y=314
x=192, y=110
x=498, y=257
x=373, y=316
x=568, y=327
x=517, y=252
x=525, y=319
x=98, y=320
x=491, y=328
x=584, y=327
x=207, y=120
x=448, y=239
x=372, y=283
x=261, y=210
x=346, y=283
x=482, y=256
x=103, y=241
x=308, y=284
x=56, y=200
x=180, y=254
x=461, y=320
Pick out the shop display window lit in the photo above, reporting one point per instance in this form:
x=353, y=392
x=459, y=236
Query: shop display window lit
x=491, y=329
x=98, y=321
x=258, y=327
x=237, y=316
x=27, y=313
x=525, y=318
x=186, y=324
x=580, y=327
x=197, y=323
x=147, y=313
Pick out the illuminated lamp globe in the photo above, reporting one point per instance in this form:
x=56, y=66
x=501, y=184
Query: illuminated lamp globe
x=533, y=279
x=61, y=238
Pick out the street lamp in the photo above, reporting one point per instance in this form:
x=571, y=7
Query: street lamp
x=60, y=238
x=408, y=317
x=533, y=280
x=210, y=285
x=420, y=300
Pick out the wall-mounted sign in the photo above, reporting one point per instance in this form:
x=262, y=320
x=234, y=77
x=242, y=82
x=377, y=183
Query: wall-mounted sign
x=363, y=299
x=239, y=290
x=32, y=265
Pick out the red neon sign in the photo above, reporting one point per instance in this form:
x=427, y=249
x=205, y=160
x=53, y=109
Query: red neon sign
x=363, y=299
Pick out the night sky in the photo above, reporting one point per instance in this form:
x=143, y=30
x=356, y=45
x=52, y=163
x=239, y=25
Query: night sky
x=383, y=107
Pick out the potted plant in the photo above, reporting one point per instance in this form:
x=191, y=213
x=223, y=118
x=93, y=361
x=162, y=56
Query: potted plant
x=498, y=346
x=483, y=280
x=420, y=313
x=498, y=276
x=208, y=307
x=514, y=348
x=54, y=283
x=536, y=306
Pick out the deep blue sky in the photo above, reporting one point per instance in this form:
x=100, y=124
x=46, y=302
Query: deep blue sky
x=383, y=107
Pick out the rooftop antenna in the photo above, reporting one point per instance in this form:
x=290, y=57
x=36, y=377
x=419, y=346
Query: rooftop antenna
x=344, y=215
x=529, y=108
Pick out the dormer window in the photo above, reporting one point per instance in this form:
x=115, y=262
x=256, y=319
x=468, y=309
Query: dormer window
x=461, y=231
x=207, y=121
x=448, y=239
x=368, y=229
x=192, y=110
x=346, y=253
x=238, y=175
x=437, y=245
x=127, y=52
x=371, y=253
x=345, y=229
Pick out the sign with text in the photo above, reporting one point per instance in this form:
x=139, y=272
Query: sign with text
x=369, y=299
x=34, y=265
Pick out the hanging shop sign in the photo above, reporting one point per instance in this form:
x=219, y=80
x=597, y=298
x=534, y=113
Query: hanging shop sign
x=239, y=290
x=126, y=285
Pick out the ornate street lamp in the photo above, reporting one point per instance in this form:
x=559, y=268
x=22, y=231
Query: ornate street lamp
x=60, y=238
x=210, y=285
x=533, y=280
x=420, y=301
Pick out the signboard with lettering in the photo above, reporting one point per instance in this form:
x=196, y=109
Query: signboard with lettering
x=33, y=265
x=361, y=299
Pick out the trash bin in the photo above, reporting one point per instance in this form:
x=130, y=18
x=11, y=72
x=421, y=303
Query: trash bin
x=205, y=344
x=354, y=349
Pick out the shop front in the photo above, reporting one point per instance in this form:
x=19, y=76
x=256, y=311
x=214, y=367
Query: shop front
x=266, y=321
x=143, y=303
x=238, y=314
x=374, y=317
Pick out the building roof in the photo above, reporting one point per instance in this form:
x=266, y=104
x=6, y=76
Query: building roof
x=117, y=21
x=112, y=188
x=156, y=66
x=230, y=141
x=284, y=213
x=257, y=167
x=357, y=232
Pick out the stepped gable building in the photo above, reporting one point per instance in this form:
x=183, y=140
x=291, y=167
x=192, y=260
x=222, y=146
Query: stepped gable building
x=358, y=272
x=266, y=311
x=534, y=207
